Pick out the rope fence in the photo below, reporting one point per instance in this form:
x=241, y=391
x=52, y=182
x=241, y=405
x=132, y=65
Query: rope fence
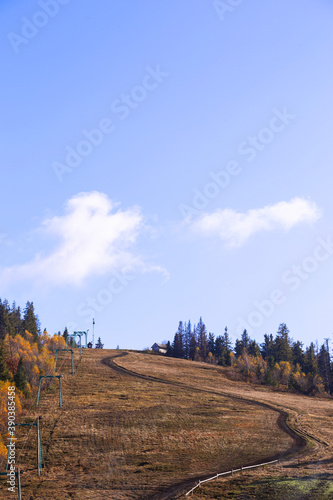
x=229, y=472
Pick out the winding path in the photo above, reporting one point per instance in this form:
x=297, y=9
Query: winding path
x=300, y=440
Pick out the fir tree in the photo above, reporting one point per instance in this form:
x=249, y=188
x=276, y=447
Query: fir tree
x=310, y=360
x=169, y=349
x=65, y=334
x=177, y=345
x=267, y=350
x=193, y=346
x=202, y=340
x=4, y=372
x=20, y=378
x=227, y=346
x=31, y=321
x=211, y=343
x=324, y=366
x=99, y=344
x=253, y=349
x=187, y=339
x=6, y=326
x=282, y=344
x=298, y=354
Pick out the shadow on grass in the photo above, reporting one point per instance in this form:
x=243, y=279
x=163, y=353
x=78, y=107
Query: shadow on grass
x=314, y=487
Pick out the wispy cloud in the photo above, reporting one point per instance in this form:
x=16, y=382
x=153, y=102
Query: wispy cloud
x=235, y=228
x=94, y=237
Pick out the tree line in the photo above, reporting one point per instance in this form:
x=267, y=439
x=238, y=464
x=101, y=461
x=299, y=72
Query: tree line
x=277, y=361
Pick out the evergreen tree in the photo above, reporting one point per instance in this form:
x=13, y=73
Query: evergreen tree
x=253, y=349
x=187, y=339
x=298, y=354
x=211, y=343
x=238, y=348
x=65, y=334
x=245, y=340
x=243, y=344
x=99, y=344
x=20, y=378
x=310, y=360
x=324, y=366
x=193, y=346
x=227, y=347
x=267, y=350
x=202, y=340
x=169, y=349
x=4, y=372
x=219, y=349
x=31, y=321
x=177, y=345
x=6, y=326
x=16, y=320
x=282, y=344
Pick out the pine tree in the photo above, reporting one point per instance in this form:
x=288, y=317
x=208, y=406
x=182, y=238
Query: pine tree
x=31, y=321
x=220, y=350
x=193, y=346
x=4, y=372
x=178, y=345
x=211, y=343
x=227, y=346
x=245, y=340
x=243, y=344
x=20, y=378
x=99, y=344
x=169, y=349
x=187, y=339
x=282, y=344
x=253, y=349
x=202, y=340
x=65, y=334
x=16, y=320
x=324, y=365
x=310, y=360
x=6, y=326
x=267, y=350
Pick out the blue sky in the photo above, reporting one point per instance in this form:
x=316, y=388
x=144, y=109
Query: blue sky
x=163, y=161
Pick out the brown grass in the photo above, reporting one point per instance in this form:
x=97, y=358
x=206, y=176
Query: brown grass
x=122, y=437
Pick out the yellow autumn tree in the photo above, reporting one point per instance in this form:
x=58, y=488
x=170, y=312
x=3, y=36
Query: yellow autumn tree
x=38, y=358
x=4, y=392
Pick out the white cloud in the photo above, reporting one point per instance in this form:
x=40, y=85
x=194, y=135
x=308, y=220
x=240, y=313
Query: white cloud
x=235, y=228
x=95, y=237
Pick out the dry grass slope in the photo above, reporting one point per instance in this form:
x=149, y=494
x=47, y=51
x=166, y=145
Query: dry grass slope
x=123, y=436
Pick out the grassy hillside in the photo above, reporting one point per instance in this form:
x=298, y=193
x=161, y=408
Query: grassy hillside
x=143, y=426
